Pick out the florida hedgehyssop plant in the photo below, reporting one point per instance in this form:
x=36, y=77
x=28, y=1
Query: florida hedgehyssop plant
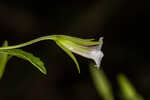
x=84, y=47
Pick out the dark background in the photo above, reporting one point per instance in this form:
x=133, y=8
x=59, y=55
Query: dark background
x=123, y=23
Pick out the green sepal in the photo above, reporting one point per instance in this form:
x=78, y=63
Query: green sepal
x=69, y=53
x=84, y=42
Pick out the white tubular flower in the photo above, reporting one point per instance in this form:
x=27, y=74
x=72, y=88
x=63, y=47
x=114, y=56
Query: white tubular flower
x=91, y=52
x=96, y=54
x=84, y=47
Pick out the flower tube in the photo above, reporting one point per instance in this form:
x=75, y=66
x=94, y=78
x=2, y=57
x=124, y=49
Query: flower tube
x=83, y=47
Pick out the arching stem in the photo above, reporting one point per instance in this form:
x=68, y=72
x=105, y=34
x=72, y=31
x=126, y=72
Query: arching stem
x=50, y=37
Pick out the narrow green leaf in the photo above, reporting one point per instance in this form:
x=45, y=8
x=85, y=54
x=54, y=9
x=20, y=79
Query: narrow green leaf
x=70, y=54
x=3, y=60
x=101, y=83
x=127, y=89
x=26, y=56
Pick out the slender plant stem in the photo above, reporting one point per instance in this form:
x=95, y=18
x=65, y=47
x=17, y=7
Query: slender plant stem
x=50, y=37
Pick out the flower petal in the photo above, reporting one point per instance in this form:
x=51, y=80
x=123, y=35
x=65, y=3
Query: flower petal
x=98, y=54
x=101, y=43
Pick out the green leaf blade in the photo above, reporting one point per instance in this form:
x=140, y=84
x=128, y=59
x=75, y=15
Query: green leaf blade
x=3, y=60
x=26, y=56
x=101, y=83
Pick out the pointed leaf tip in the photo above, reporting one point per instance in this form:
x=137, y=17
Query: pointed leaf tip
x=26, y=56
x=70, y=54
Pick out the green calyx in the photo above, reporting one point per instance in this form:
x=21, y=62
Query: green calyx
x=79, y=41
x=76, y=45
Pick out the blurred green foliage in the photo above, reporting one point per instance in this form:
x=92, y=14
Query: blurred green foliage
x=104, y=88
x=127, y=89
x=101, y=83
